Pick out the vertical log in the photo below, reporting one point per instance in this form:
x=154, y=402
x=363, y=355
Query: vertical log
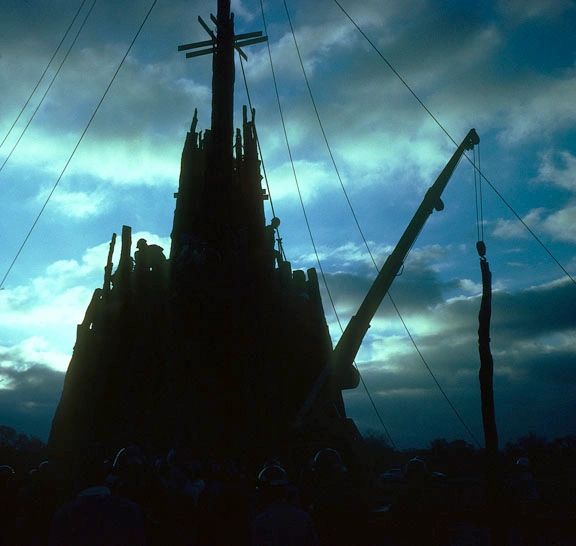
x=108, y=268
x=486, y=374
x=238, y=149
x=223, y=91
x=125, y=266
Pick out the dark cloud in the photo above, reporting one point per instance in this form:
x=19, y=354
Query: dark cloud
x=534, y=354
x=523, y=10
x=447, y=55
x=535, y=391
x=534, y=384
x=29, y=399
x=416, y=292
x=522, y=315
x=554, y=368
x=144, y=78
x=417, y=287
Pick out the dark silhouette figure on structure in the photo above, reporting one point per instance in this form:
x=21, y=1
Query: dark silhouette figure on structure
x=149, y=257
x=271, y=233
x=151, y=267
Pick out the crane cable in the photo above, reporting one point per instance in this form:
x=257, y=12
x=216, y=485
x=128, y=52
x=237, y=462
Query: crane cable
x=410, y=336
x=77, y=145
x=49, y=86
x=43, y=73
x=478, y=196
x=486, y=371
x=337, y=171
x=435, y=119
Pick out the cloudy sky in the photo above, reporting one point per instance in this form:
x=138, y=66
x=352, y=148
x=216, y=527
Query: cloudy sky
x=507, y=68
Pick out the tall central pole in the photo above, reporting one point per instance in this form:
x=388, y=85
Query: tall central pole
x=223, y=90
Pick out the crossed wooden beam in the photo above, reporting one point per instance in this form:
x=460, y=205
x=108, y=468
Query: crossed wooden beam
x=240, y=40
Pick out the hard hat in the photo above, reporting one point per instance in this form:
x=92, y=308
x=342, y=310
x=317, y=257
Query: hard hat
x=6, y=471
x=6, y=475
x=328, y=460
x=273, y=476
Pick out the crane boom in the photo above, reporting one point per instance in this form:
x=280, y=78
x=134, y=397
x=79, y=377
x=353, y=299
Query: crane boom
x=341, y=366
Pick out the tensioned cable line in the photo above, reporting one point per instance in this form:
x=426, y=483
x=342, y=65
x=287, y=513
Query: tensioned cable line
x=318, y=261
x=351, y=208
x=481, y=174
x=43, y=73
x=481, y=199
x=261, y=156
x=49, y=85
x=455, y=411
x=304, y=209
x=78, y=143
x=290, y=151
x=324, y=132
x=411, y=337
x=257, y=139
x=326, y=138
x=308, y=224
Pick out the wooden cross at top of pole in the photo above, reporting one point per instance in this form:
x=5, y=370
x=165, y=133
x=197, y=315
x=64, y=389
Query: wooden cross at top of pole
x=240, y=40
x=222, y=44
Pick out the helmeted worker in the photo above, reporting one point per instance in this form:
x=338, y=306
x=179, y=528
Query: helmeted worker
x=280, y=523
x=148, y=257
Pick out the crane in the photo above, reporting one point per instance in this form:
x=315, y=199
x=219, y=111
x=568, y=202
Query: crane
x=340, y=372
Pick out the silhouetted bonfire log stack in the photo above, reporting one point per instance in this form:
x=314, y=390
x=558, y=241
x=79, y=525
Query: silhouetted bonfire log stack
x=218, y=346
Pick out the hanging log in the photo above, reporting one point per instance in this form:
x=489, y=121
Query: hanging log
x=486, y=362
x=486, y=377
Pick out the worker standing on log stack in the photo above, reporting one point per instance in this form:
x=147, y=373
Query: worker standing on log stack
x=150, y=265
x=271, y=232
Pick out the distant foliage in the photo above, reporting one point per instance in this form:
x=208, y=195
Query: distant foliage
x=378, y=452
x=546, y=457
x=458, y=458
x=20, y=450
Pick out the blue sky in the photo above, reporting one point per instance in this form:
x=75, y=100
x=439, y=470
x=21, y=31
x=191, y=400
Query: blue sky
x=507, y=68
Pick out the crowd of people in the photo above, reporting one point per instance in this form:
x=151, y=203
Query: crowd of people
x=179, y=500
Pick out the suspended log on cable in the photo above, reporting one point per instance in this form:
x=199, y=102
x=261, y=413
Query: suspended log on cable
x=486, y=372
